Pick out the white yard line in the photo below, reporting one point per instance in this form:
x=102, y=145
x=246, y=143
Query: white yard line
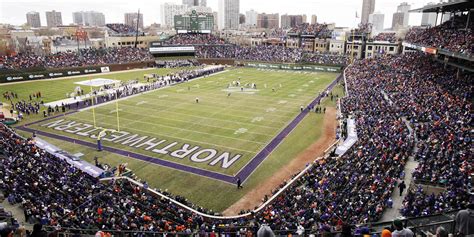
x=142, y=93
x=168, y=136
x=209, y=118
x=215, y=106
x=138, y=115
x=180, y=129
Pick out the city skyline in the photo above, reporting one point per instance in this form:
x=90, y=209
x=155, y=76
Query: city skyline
x=343, y=14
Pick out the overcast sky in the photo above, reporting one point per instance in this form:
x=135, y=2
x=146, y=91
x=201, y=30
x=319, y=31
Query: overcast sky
x=342, y=12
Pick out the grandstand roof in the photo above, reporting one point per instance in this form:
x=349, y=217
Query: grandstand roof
x=460, y=5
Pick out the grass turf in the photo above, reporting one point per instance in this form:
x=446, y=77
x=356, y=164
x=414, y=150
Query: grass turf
x=56, y=89
x=216, y=115
x=241, y=124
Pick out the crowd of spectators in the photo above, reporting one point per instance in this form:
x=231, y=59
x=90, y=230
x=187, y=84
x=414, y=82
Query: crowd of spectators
x=276, y=33
x=326, y=58
x=123, y=29
x=195, y=39
x=363, y=28
x=390, y=37
x=318, y=30
x=353, y=188
x=335, y=191
x=437, y=102
x=269, y=53
x=452, y=35
x=176, y=63
x=85, y=57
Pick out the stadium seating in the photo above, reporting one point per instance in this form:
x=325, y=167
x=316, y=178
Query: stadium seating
x=122, y=29
x=390, y=37
x=85, y=57
x=452, y=35
x=269, y=53
x=195, y=39
x=317, y=30
x=437, y=103
x=352, y=189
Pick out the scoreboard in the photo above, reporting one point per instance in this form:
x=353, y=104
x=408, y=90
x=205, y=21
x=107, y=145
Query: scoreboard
x=194, y=23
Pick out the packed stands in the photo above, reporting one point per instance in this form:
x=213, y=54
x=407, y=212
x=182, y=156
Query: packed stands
x=326, y=58
x=122, y=29
x=385, y=36
x=269, y=53
x=452, y=35
x=317, y=30
x=365, y=28
x=85, y=57
x=195, y=39
x=353, y=188
x=276, y=33
x=437, y=102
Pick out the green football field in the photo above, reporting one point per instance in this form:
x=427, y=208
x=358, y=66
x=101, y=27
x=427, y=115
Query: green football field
x=226, y=122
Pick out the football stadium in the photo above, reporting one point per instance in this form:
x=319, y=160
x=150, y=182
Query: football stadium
x=220, y=123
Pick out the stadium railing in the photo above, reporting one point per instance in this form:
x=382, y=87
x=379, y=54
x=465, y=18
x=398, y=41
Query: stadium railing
x=421, y=226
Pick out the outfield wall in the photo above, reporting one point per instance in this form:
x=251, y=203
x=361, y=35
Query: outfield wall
x=44, y=73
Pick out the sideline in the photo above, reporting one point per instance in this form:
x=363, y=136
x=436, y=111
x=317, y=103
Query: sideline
x=71, y=77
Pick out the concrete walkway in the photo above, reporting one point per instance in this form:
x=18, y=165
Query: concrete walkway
x=394, y=212
x=17, y=212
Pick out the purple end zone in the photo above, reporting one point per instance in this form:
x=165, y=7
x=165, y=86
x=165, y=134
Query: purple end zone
x=244, y=173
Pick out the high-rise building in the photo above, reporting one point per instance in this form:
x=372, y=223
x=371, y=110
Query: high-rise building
x=428, y=18
x=77, y=18
x=251, y=18
x=169, y=10
x=305, y=18
x=268, y=21
x=404, y=7
x=199, y=9
x=228, y=14
x=289, y=21
x=400, y=18
x=53, y=19
x=368, y=7
x=377, y=21
x=241, y=19
x=397, y=20
x=314, y=19
x=88, y=18
x=33, y=19
x=132, y=18
x=191, y=2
